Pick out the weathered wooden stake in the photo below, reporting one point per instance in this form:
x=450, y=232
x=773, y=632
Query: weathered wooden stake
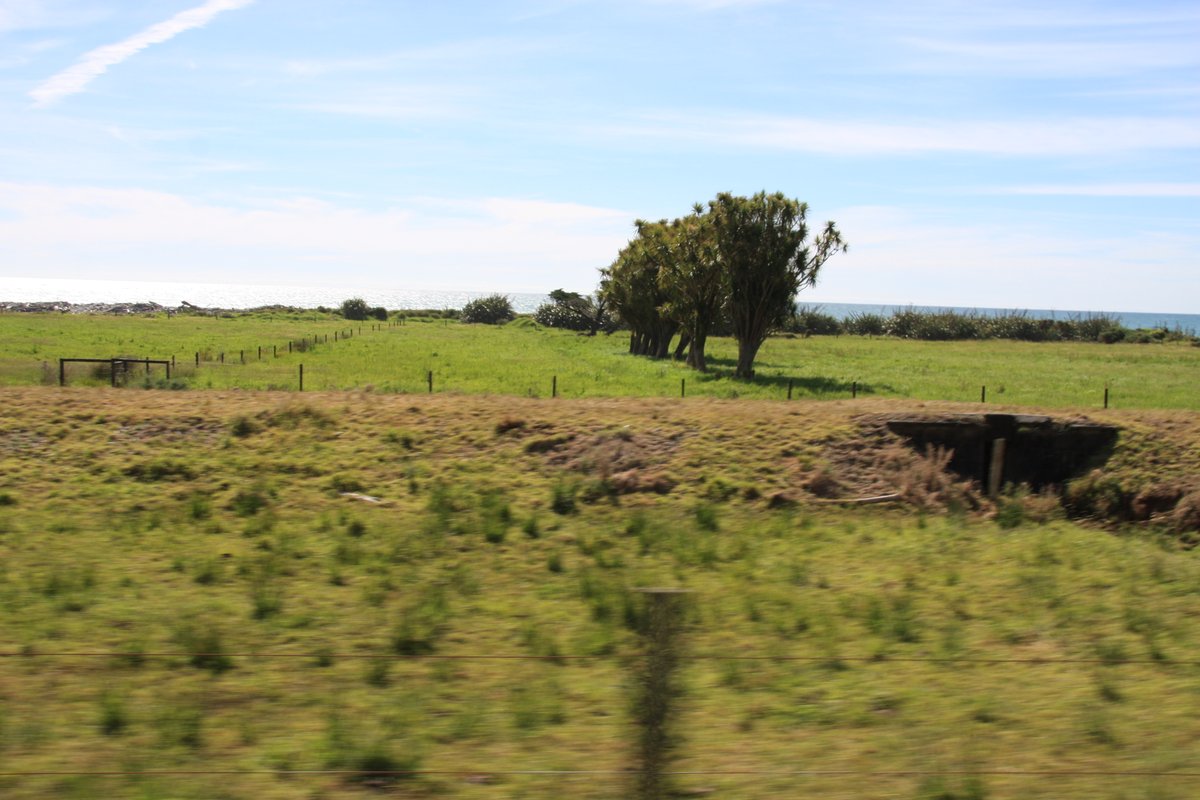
x=789, y=388
x=683, y=387
x=429, y=377
x=260, y=352
x=222, y=358
x=197, y=358
x=275, y=351
x=554, y=386
x=996, y=468
x=854, y=390
x=302, y=377
x=983, y=394
x=289, y=345
x=62, y=372
x=655, y=689
x=1106, y=397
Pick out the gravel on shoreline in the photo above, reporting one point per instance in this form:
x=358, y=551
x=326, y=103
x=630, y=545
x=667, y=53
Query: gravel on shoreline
x=63, y=307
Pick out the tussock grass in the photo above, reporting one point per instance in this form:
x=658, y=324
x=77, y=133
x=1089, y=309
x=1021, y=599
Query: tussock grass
x=249, y=551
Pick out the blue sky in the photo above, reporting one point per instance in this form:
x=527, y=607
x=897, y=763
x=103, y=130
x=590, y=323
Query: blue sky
x=1015, y=154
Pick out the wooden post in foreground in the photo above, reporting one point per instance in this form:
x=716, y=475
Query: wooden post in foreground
x=655, y=690
x=302, y=377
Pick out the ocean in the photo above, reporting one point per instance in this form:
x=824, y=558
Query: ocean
x=214, y=295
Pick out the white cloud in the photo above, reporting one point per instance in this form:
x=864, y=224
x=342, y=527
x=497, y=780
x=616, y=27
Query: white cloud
x=504, y=242
x=1103, y=190
x=1067, y=137
x=899, y=257
x=1044, y=59
x=93, y=64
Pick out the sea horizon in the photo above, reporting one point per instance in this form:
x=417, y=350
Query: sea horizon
x=246, y=296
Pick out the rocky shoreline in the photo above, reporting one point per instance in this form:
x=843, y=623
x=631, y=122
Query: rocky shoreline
x=63, y=307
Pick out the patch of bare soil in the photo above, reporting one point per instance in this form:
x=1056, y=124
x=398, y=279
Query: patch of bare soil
x=192, y=429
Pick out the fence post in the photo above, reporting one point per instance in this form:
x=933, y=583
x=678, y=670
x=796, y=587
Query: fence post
x=260, y=352
x=302, y=377
x=655, y=689
x=683, y=387
x=242, y=354
x=429, y=377
x=1106, y=397
x=289, y=345
x=853, y=390
x=983, y=394
x=62, y=372
x=789, y=388
x=554, y=386
x=169, y=368
x=996, y=468
x=112, y=373
x=197, y=358
x=275, y=351
x=222, y=357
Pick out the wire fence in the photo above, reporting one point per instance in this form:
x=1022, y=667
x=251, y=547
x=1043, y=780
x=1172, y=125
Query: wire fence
x=623, y=775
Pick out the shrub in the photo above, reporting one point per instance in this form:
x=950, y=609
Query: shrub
x=356, y=308
x=113, y=717
x=202, y=642
x=490, y=310
x=562, y=500
x=810, y=321
x=378, y=312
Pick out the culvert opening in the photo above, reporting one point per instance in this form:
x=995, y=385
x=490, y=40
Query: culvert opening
x=997, y=449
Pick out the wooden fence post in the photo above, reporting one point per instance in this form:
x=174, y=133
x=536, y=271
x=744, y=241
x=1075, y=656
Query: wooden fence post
x=683, y=387
x=656, y=688
x=62, y=372
x=983, y=394
x=430, y=379
x=302, y=377
x=789, y=388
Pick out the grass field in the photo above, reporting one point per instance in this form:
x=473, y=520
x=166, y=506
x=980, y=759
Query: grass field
x=244, y=613
x=521, y=359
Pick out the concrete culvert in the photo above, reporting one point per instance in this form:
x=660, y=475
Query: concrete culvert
x=998, y=449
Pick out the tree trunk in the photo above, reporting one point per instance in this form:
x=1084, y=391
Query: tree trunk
x=747, y=350
x=681, y=348
x=695, y=357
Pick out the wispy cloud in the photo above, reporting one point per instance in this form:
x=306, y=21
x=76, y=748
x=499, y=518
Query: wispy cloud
x=469, y=242
x=1066, y=137
x=1104, y=190
x=93, y=64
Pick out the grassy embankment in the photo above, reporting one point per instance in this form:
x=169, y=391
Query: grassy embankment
x=521, y=359
x=195, y=524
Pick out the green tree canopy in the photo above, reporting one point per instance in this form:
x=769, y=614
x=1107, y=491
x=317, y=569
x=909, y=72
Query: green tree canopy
x=767, y=257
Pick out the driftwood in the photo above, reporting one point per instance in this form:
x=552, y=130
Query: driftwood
x=860, y=501
x=366, y=498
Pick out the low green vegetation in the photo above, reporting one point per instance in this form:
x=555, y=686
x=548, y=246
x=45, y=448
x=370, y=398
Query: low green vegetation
x=523, y=358
x=267, y=584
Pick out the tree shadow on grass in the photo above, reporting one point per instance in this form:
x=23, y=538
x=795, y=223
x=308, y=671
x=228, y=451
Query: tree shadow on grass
x=723, y=369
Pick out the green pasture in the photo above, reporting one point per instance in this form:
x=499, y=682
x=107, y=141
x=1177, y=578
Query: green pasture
x=185, y=585
x=522, y=359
